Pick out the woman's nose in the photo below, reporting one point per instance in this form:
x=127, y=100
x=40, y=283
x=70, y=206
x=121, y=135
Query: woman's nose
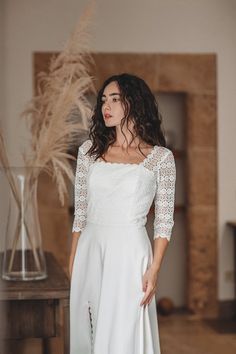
x=106, y=106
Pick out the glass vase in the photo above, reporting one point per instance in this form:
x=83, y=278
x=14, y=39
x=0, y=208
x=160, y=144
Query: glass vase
x=23, y=257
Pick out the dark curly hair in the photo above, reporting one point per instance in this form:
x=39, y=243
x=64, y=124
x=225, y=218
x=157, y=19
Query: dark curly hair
x=140, y=105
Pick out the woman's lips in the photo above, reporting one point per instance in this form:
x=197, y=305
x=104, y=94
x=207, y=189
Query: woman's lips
x=107, y=116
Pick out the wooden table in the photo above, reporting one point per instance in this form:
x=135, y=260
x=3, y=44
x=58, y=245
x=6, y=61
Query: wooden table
x=37, y=309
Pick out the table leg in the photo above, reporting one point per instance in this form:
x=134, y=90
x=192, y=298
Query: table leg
x=64, y=324
x=46, y=346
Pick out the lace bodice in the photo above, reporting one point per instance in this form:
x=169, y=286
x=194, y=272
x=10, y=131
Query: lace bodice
x=155, y=182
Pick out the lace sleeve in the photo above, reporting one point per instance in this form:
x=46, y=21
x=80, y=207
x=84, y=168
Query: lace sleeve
x=165, y=197
x=80, y=190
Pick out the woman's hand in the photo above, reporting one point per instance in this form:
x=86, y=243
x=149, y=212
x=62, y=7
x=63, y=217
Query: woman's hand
x=150, y=277
x=149, y=282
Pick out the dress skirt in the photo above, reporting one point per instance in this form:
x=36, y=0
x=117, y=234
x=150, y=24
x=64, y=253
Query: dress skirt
x=106, y=291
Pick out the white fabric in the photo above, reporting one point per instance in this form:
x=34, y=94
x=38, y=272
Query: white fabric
x=112, y=201
x=162, y=165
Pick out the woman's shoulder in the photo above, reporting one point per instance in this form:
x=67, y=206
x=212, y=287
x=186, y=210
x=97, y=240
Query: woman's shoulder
x=163, y=151
x=161, y=155
x=85, y=146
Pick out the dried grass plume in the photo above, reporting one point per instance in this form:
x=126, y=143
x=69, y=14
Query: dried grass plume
x=62, y=95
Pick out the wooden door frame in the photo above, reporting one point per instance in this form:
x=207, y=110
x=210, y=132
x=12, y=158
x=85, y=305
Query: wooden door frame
x=195, y=76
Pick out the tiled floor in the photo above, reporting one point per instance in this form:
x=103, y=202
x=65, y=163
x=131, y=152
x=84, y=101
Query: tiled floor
x=186, y=334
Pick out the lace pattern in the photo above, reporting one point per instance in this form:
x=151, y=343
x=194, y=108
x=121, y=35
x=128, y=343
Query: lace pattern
x=80, y=198
x=165, y=197
x=160, y=161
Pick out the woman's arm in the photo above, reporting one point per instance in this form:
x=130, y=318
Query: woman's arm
x=151, y=275
x=80, y=199
x=160, y=246
x=163, y=223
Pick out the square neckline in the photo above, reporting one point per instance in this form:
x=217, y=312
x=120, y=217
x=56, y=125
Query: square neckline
x=149, y=155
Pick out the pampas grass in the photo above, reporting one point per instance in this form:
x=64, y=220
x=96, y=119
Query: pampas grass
x=61, y=94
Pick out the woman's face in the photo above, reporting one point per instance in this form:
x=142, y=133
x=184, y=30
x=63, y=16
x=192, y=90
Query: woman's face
x=112, y=107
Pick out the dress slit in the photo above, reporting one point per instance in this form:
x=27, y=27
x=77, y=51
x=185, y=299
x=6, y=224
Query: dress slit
x=91, y=325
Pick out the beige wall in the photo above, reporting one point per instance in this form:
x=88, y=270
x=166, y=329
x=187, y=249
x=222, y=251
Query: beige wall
x=166, y=26
x=2, y=120
x=1, y=61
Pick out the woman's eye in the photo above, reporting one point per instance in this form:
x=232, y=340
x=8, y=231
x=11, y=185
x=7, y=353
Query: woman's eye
x=115, y=99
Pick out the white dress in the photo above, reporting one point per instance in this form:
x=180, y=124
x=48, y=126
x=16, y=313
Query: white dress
x=112, y=201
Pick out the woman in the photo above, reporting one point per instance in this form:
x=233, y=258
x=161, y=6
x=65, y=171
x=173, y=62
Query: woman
x=121, y=169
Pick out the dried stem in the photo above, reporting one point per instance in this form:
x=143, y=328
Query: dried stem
x=62, y=107
x=6, y=166
x=62, y=96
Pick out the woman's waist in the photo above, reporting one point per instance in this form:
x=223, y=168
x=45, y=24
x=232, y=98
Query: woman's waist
x=136, y=223
x=119, y=237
